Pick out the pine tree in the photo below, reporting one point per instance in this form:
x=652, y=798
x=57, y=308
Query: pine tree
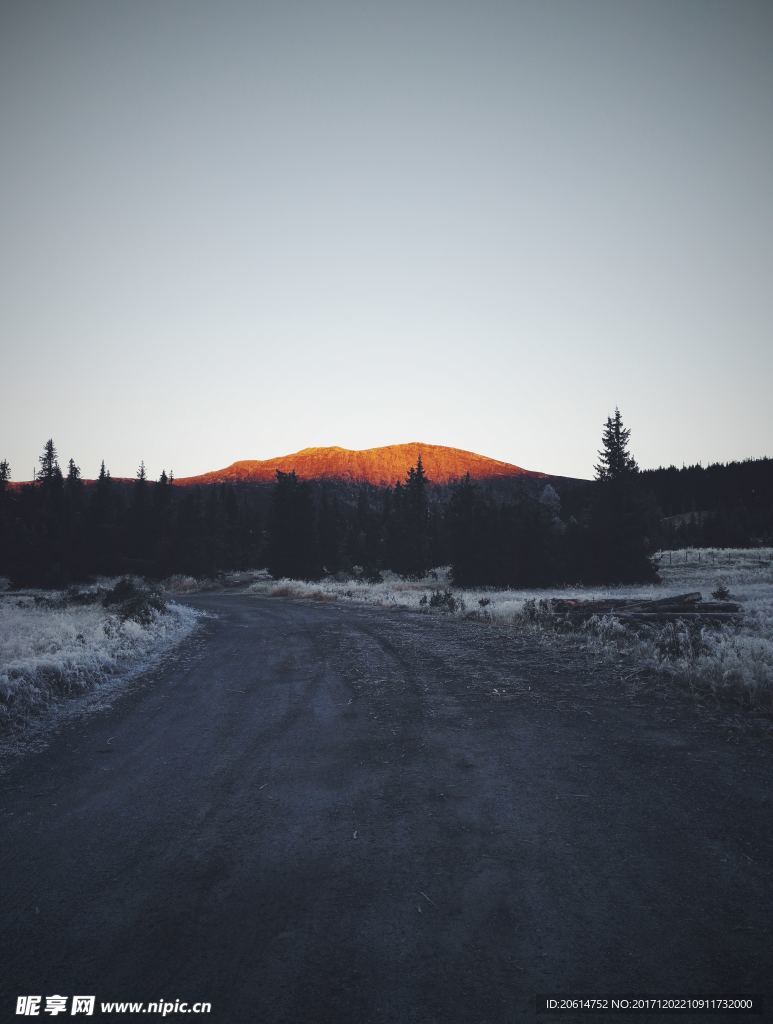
x=293, y=550
x=74, y=553
x=49, y=464
x=8, y=540
x=137, y=526
x=463, y=518
x=621, y=517
x=414, y=525
x=101, y=497
x=615, y=461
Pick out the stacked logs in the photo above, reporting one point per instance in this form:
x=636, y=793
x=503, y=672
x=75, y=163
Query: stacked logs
x=664, y=609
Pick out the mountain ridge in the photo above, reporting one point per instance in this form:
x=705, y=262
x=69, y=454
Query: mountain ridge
x=381, y=466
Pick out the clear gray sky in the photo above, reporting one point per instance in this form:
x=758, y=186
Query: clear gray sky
x=230, y=230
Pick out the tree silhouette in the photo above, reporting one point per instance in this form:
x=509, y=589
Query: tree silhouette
x=49, y=471
x=292, y=543
x=410, y=528
x=615, y=460
x=621, y=522
x=73, y=473
x=467, y=534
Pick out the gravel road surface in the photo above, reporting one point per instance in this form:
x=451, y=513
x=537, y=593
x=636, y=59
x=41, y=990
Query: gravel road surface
x=317, y=813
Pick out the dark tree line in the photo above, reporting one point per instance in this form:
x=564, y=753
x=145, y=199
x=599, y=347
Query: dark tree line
x=61, y=529
x=715, y=506
x=607, y=534
x=312, y=531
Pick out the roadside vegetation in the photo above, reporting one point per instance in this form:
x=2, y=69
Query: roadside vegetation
x=60, y=644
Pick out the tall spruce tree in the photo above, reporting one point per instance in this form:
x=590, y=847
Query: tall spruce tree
x=621, y=516
x=73, y=474
x=7, y=538
x=615, y=460
x=411, y=552
x=49, y=471
x=74, y=555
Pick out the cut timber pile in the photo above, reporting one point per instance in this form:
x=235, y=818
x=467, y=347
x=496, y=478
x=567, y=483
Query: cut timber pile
x=664, y=609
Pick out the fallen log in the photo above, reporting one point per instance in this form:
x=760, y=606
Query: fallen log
x=690, y=606
x=676, y=617
x=693, y=598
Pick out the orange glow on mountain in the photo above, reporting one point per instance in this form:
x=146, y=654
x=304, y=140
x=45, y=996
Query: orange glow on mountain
x=370, y=465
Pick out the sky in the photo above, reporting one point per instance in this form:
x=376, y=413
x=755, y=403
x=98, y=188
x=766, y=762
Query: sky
x=232, y=230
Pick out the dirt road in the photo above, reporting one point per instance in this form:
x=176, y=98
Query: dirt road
x=322, y=814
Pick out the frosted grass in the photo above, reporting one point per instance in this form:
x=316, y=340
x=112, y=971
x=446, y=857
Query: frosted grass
x=50, y=653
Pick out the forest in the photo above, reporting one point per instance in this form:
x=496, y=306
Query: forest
x=62, y=529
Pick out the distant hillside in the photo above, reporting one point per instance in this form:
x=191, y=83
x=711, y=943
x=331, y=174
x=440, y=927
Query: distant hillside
x=377, y=466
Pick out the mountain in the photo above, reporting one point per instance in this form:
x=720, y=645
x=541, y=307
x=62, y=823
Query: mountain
x=370, y=465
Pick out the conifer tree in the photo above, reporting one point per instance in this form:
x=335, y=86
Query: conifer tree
x=103, y=488
x=615, y=461
x=162, y=523
x=73, y=486
x=413, y=525
x=49, y=463
x=137, y=526
x=73, y=554
x=620, y=518
x=465, y=534
x=7, y=540
x=292, y=542
x=73, y=474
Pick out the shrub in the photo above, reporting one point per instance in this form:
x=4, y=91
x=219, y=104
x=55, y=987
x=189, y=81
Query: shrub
x=680, y=641
x=443, y=601
x=534, y=611
x=605, y=630
x=132, y=601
